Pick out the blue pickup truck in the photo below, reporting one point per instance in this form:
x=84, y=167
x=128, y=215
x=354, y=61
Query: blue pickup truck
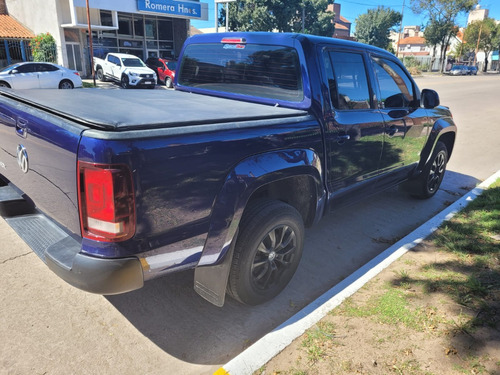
x=263, y=134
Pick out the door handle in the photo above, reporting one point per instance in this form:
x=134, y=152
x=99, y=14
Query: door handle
x=21, y=129
x=341, y=139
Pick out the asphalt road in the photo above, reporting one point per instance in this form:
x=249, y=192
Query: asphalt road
x=49, y=327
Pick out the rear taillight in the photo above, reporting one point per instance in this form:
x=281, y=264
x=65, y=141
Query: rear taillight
x=76, y=73
x=107, y=203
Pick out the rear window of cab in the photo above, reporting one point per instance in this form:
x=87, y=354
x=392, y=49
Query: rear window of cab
x=263, y=71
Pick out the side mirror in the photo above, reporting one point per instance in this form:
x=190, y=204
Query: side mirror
x=429, y=98
x=15, y=71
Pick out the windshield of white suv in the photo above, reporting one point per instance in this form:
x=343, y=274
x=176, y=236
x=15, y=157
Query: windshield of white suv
x=131, y=62
x=250, y=69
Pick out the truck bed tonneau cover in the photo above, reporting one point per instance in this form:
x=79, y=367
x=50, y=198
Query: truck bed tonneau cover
x=141, y=109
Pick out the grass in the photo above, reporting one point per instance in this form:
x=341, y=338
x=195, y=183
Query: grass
x=319, y=341
x=451, y=296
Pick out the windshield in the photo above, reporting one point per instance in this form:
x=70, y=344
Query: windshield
x=131, y=62
x=250, y=69
x=9, y=67
x=171, y=65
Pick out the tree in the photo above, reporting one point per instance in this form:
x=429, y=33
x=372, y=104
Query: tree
x=487, y=32
x=279, y=15
x=442, y=16
x=373, y=27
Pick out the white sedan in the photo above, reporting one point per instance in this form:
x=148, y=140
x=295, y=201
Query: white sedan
x=39, y=75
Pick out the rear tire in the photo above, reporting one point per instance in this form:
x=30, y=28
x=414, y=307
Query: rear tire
x=428, y=183
x=66, y=84
x=267, y=251
x=100, y=75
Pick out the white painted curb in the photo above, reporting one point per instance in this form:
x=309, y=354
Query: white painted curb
x=258, y=354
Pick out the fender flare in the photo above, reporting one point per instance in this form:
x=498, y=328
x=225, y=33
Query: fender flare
x=441, y=127
x=246, y=178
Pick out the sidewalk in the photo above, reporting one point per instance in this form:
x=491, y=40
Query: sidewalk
x=434, y=311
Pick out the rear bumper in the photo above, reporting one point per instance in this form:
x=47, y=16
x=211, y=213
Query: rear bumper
x=61, y=252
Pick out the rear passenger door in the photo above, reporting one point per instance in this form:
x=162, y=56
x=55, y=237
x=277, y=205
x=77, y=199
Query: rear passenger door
x=48, y=76
x=354, y=127
x=405, y=120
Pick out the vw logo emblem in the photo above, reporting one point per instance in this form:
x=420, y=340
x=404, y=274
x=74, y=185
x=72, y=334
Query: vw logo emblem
x=22, y=158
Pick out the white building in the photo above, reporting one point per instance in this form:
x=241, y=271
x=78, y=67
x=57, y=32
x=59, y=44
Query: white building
x=144, y=28
x=477, y=14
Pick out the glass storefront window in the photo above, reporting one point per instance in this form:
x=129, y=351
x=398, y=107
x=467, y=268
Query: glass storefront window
x=138, y=26
x=165, y=31
x=166, y=45
x=150, y=25
x=125, y=25
x=106, y=19
x=129, y=43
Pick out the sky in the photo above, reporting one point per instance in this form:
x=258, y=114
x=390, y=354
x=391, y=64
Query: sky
x=351, y=9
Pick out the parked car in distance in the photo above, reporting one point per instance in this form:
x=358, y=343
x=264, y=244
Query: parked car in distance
x=472, y=70
x=128, y=70
x=459, y=70
x=39, y=75
x=164, y=68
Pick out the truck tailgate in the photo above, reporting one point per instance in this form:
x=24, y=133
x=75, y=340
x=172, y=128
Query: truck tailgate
x=38, y=153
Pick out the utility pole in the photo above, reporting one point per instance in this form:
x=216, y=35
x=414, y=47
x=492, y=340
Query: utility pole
x=400, y=29
x=90, y=44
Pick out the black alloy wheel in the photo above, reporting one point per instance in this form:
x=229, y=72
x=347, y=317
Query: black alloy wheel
x=124, y=82
x=267, y=251
x=429, y=181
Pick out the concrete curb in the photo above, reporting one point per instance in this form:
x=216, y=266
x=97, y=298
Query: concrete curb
x=258, y=354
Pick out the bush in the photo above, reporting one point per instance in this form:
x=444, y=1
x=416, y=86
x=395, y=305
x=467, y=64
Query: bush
x=414, y=70
x=43, y=48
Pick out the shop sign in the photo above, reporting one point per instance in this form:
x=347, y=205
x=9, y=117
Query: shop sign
x=178, y=8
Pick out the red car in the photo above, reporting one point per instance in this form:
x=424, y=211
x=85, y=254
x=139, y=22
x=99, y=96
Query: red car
x=164, y=68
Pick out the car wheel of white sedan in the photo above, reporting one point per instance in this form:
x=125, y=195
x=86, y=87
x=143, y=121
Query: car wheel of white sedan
x=66, y=84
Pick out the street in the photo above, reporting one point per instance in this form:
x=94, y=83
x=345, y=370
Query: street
x=50, y=327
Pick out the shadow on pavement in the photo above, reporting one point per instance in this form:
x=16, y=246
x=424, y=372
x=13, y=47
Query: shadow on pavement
x=176, y=319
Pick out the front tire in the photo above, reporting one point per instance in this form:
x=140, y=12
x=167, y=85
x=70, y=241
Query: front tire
x=169, y=83
x=124, y=82
x=4, y=84
x=428, y=183
x=66, y=85
x=267, y=251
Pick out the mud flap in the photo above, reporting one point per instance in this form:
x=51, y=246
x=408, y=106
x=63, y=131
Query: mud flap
x=210, y=282
x=13, y=203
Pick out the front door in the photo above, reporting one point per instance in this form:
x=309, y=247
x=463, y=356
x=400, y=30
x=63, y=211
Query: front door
x=26, y=77
x=354, y=126
x=405, y=120
x=74, y=54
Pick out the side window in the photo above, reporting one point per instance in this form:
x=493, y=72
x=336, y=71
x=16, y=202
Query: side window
x=348, y=84
x=396, y=89
x=46, y=68
x=26, y=68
